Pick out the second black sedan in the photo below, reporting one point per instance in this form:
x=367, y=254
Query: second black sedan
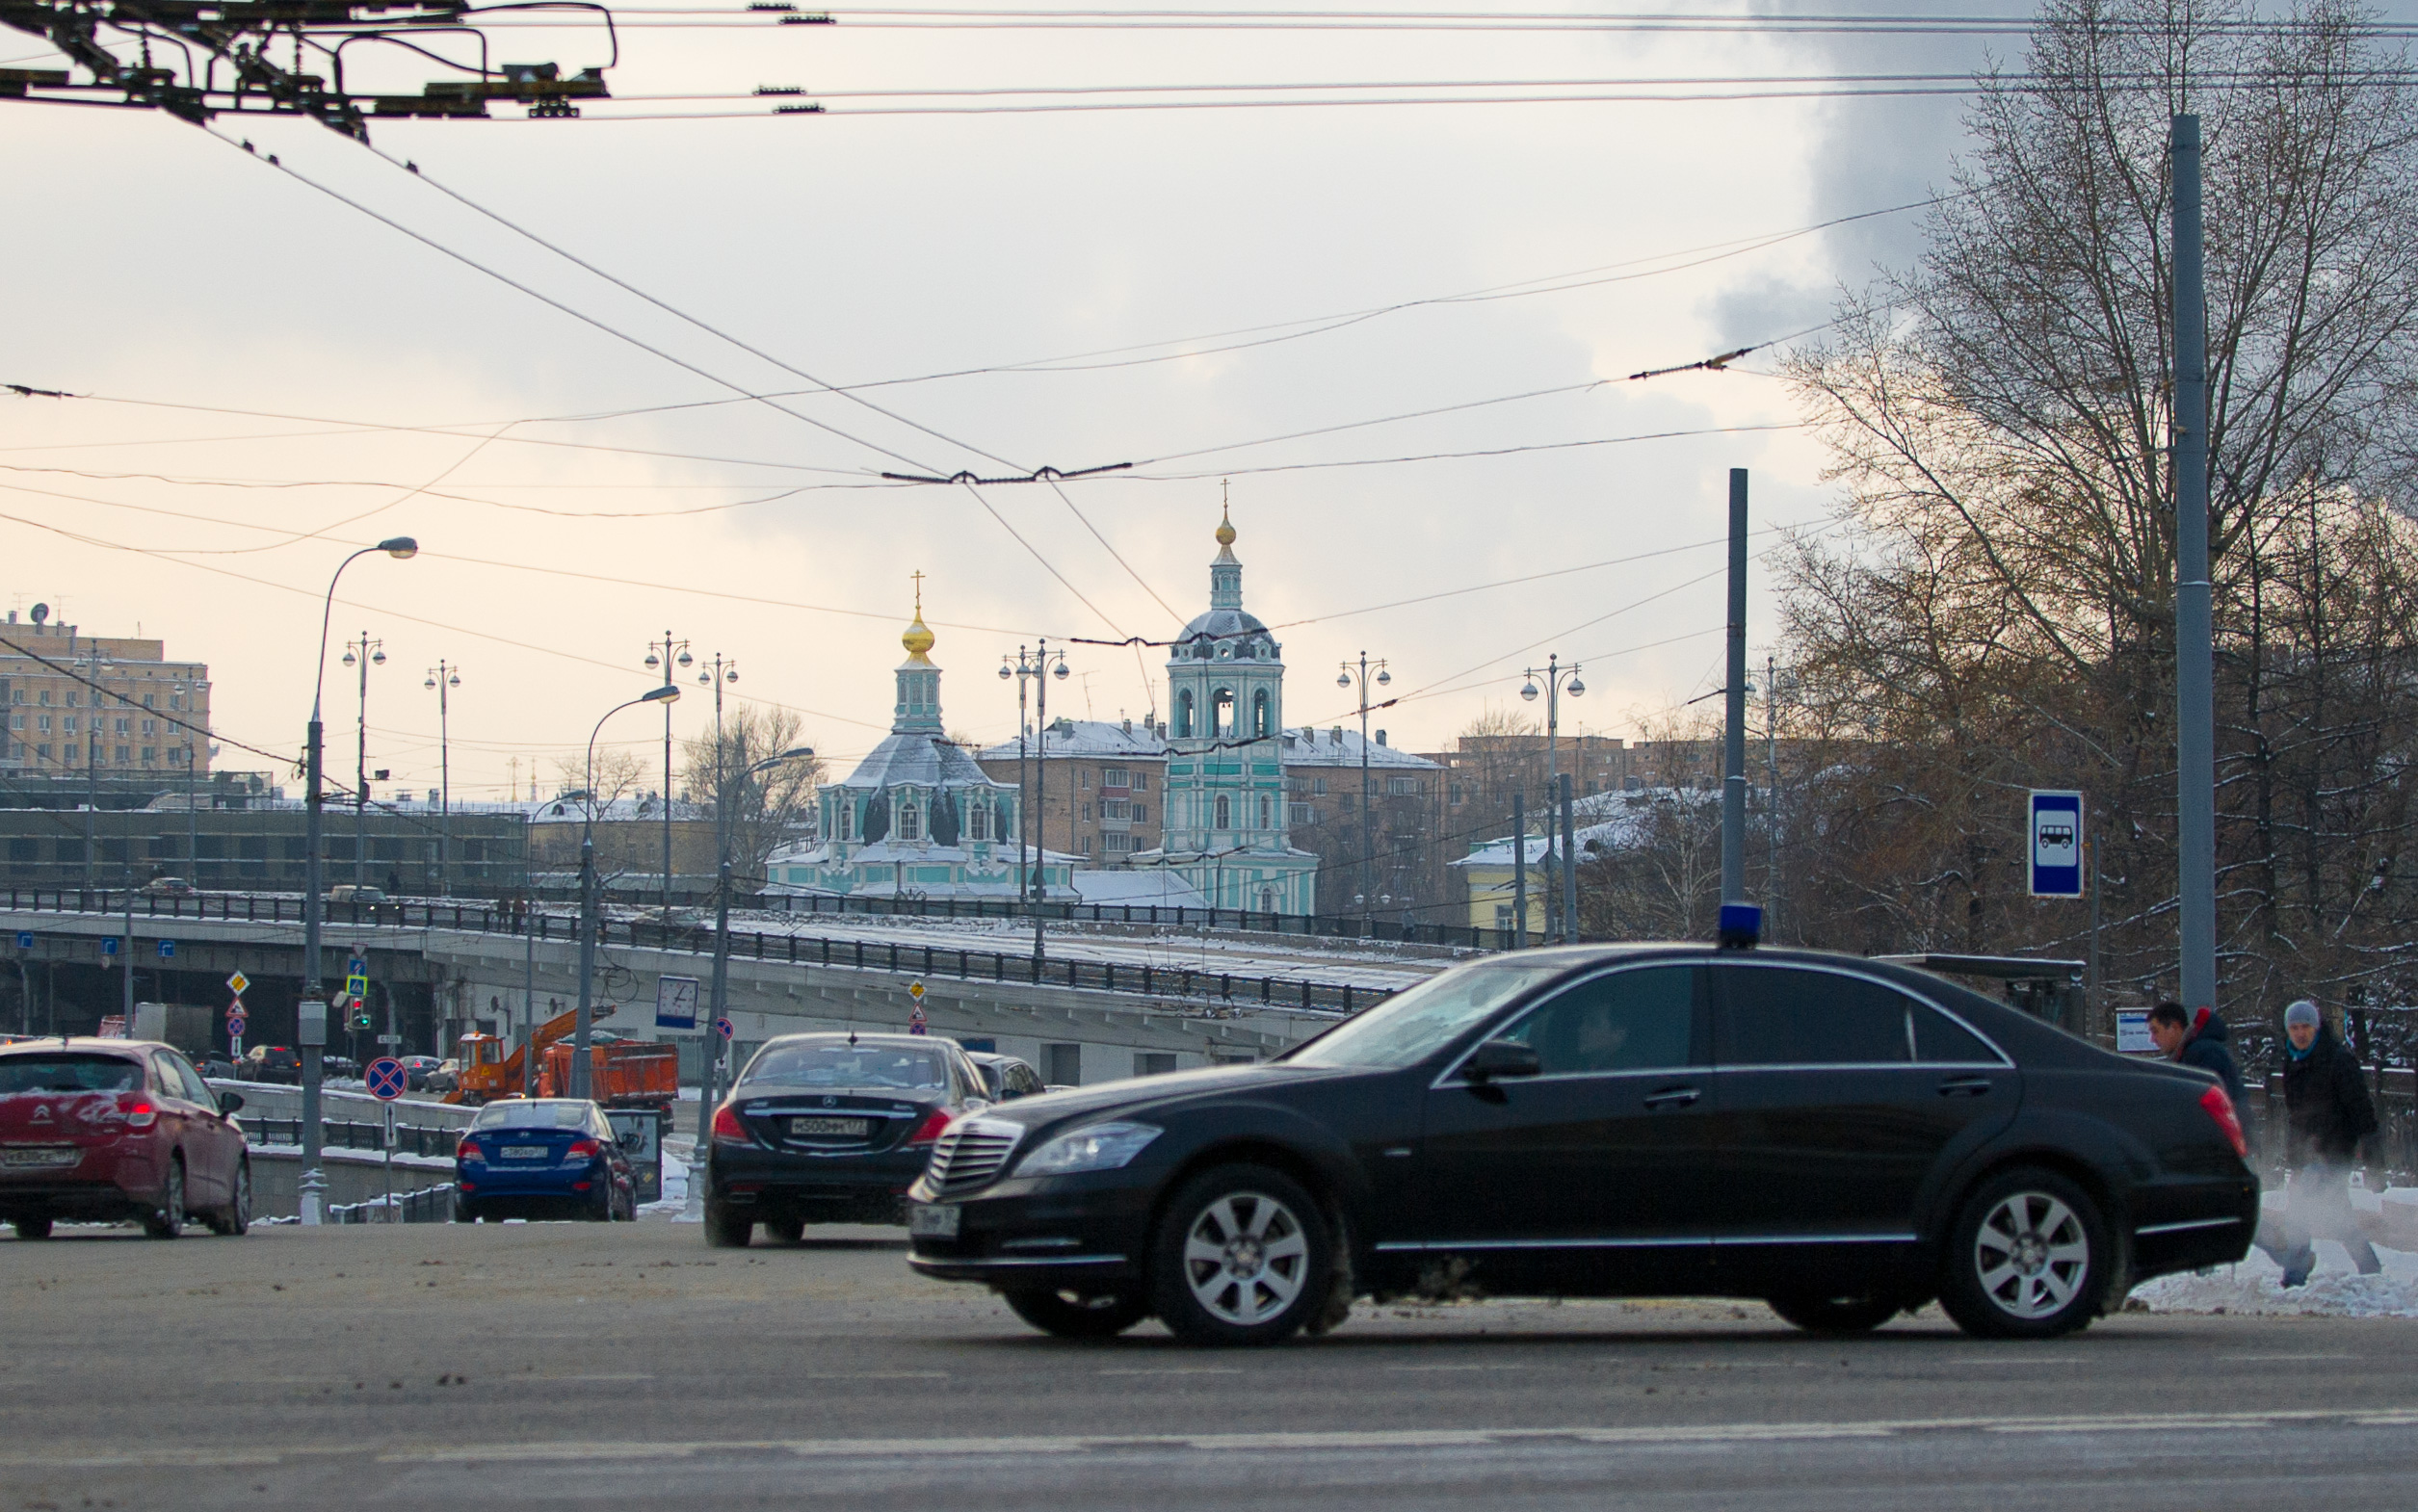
x=830, y=1128
x=1843, y=1138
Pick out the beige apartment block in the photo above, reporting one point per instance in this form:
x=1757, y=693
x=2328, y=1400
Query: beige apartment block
x=111, y=705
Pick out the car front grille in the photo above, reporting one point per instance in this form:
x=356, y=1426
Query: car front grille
x=973, y=1151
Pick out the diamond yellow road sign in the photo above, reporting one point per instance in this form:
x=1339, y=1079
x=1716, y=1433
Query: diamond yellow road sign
x=237, y=983
x=915, y=990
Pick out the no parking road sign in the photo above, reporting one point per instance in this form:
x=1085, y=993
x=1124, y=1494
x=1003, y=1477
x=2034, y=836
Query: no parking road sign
x=724, y=1028
x=384, y=1078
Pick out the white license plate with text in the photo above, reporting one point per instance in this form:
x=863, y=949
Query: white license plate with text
x=523, y=1151
x=934, y=1220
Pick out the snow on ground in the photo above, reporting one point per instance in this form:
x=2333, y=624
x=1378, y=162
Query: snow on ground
x=673, y=1204
x=2253, y=1283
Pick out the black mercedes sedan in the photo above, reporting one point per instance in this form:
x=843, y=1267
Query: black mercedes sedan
x=1841, y=1137
x=830, y=1128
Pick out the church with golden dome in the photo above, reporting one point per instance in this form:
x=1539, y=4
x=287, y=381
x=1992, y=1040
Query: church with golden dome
x=918, y=817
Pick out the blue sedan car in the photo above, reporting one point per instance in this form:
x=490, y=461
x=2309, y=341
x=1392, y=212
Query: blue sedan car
x=542, y=1156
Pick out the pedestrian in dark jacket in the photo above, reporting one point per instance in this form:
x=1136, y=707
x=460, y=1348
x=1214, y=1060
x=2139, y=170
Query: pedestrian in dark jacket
x=2327, y=1105
x=2198, y=1040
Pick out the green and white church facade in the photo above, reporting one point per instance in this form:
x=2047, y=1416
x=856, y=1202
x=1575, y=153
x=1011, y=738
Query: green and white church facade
x=1226, y=831
x=917, y=818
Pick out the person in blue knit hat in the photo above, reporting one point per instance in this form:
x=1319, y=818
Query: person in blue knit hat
x=2328, y=1110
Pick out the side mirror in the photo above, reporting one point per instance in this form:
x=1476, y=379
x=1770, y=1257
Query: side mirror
x=229, y=1101
x=1500, y=1059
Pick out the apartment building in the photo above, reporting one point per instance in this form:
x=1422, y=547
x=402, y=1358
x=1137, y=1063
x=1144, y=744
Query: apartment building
x=111, y=708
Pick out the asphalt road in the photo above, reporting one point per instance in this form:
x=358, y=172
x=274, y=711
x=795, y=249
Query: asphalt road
x=558, y=1364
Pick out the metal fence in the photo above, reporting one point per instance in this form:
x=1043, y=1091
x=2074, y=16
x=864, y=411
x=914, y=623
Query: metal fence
x=921, y=960
x=2391, y=1153
x=344, y=1134
x=428, y=1204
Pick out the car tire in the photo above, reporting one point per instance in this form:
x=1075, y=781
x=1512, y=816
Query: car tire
x=32, y=1228
x=1816, y=1314
x=234, y=1220
x=1241, y=1257
x=2028, y=1258
x=465, y=1211
x=785, y=1231
x=1069, y=1315
x=725, y=1229
x=168, y=1220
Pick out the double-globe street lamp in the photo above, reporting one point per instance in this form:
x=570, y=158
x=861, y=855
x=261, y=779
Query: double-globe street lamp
x=443, y=678
x=1035, y=666
x=667, y=693
x=1559, y=680
x=1367, y=834
x=311, y=1014
x=370, y=653
x=671, y=652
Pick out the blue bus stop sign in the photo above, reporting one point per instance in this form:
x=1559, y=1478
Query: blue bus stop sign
x=2056, y=829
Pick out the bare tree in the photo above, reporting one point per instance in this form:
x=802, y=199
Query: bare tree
x=2001, y=616
x=618, y=774
x=768, y=807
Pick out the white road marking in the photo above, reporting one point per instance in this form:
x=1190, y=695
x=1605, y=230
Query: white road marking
x=1339, y=1442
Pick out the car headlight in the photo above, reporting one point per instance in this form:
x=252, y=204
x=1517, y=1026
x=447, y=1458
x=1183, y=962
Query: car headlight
x=1095, y=1147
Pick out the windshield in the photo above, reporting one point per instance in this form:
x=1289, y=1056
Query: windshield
x=851, y=1066
x=69, y=1074
x=537, y=1113
x=1405, y=1030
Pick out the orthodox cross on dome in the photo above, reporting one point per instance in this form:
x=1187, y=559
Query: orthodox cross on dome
x=1225, y=571
x=918, y=637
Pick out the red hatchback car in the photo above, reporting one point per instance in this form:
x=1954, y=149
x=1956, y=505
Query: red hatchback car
x=109, y=1130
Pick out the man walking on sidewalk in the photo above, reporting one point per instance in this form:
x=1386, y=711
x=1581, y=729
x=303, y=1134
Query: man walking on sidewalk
x=2198, y=1042
x=2326, y=1106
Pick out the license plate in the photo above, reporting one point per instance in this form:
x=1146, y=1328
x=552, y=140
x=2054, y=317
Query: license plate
x=936, y=1220
x=524, y=1151
x=38, y=1160
x=854, y=1128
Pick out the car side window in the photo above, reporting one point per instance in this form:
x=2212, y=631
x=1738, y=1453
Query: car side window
x=1942, y=1041
x=1640, y=1020
x=1027, y=1079
x=178, y=1079
x=1783, y=1016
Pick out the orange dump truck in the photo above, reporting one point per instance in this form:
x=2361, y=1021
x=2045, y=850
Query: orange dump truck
x=628, y=1073
x=486, y=1073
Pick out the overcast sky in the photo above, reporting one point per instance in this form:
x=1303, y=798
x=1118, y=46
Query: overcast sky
x=155, y=264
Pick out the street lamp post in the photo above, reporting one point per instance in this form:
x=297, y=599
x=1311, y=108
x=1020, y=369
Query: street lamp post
x=371, y=653
x=1559, y=679
x=95, y=665
x=1367, y=834
x=671, y=652
x=666, y=694
x=444, y=677
x=1038, y=665
x=313, y=1012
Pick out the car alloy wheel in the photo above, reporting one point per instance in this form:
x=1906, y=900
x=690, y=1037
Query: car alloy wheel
x=1242, y=1258
x=169, y=1220
x=2026, y=1258
x=235, y=1218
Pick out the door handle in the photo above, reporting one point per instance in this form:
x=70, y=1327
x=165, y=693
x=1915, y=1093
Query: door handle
x=1965, y=1086
x=1671, y=1097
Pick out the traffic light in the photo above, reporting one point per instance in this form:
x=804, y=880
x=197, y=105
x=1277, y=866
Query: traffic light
x=360, y=1014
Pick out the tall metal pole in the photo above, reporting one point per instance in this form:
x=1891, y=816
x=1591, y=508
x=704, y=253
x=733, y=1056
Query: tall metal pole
x=2194, y=735
x=1368, y=833
x=444, y=679
x=192, y=825
x=125, y=943
x=92, y=767
x=1520, y=871
x=579, y=1087
x=366, y=648
x=710, y=1081
x=1040, y=794
x=1553, y=782
x=1771, y=799
x=1569, y=867
x=1734, y=738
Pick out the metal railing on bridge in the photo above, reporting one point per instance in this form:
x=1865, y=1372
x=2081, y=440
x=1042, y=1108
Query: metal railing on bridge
x=1185, y=983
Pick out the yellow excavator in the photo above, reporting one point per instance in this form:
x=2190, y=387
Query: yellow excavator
x=485, y=1073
